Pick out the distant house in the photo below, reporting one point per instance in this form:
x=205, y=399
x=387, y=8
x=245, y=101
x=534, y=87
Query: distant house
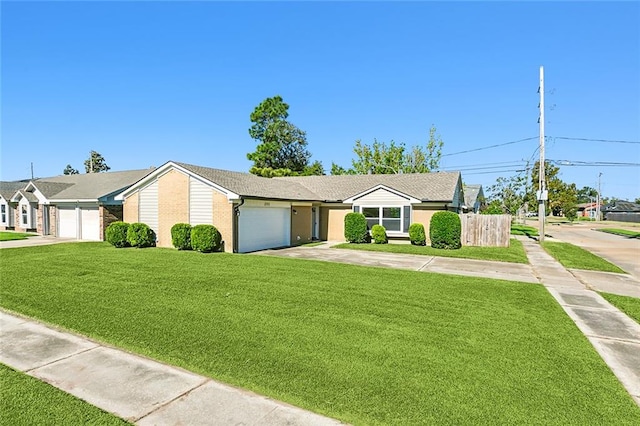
x=77, y=206
x=7, y=208
x=623, y=211
x=254, y=213
x=589, y=210
x=473, y=198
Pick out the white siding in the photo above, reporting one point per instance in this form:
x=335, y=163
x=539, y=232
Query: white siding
x=148, y=206
x=200, y=203
x=381, y=197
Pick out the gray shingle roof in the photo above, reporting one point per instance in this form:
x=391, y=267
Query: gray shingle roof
x=90, y=186
x=8, y=189
x=440, y=186
x=471, y=193
x=248, y=185
x=28, y=195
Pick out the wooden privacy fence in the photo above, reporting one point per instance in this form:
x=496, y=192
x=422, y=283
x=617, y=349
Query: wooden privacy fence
x=486, y=230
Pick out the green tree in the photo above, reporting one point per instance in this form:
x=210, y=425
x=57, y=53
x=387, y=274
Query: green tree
x=70, y=170
x=509, y=193
x=95, y=163
x=494, y=207
x=383, y=158
x=587, y=194
x=282, y=147
x=560, y=194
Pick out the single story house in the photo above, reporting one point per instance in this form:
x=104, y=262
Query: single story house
x=473, y=198
x=7, y=208
x=254, y=213
x=623, y=211
x=588, y=210
x=72, y=206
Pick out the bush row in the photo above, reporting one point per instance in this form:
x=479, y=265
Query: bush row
x=202, y=238
x=122, y=234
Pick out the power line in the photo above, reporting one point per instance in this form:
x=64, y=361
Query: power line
x=489, y=147
x=594, y=140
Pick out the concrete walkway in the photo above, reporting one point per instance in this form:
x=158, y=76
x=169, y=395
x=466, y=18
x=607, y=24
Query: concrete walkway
x=135, y=388
x=614, y=335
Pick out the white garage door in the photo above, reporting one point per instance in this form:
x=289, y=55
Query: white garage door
x=67, y=222
x=263, y=227
x=90, y=223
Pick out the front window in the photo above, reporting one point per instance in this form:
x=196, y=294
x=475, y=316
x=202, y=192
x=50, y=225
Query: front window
x=389, y=217
x=25, y=215
x=3, y=210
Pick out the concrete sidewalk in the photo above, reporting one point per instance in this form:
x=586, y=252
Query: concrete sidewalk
x=37, y=240
x=614, y=335
x=135, y=388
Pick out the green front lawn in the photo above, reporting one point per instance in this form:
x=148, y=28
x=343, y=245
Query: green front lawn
x=365, y=345
x=628, y=305
x=25, y=400
x=514, y=253
x=575, y=257
x=621, y=232
x=10, y=236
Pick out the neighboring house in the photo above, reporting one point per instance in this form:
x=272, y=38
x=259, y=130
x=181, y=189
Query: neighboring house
x=623, y=211
x=254, y=213
x=589, y=210
x=7, y=208
x=77, y=206
x=473, y=198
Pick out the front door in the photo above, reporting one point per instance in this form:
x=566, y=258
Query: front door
x=314, y=223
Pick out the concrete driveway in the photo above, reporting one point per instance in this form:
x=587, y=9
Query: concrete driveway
x=621, y=251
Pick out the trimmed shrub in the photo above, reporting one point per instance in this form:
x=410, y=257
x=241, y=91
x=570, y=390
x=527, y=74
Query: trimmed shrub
x=140, y=235
x=181, y=236
x=417, y=235
x=355, y=228
x=445, y=231
x=205, y=238
x=116, y=234
x=379, y=234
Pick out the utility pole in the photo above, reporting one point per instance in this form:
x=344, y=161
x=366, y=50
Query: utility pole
x=542, y=189
x=599, y=198
x=32, y=170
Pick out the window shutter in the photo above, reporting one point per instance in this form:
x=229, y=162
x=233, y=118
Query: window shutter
x=407, y=218
x=356, y=209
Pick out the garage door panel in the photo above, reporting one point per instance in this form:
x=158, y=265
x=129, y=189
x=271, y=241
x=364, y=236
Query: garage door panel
x=68, y=222
x=263, y=227
x=90, y=223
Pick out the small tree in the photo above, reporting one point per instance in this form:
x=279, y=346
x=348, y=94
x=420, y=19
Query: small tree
x=445, y=231
x=96, y=163
x=355, y=228
x=70, y=170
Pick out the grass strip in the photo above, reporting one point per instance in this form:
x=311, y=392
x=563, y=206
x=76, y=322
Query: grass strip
x=529, y=231
x=11, y=236
x=364, y=345
x=628, y=305
x=513, y=254
x=621, y=232
x=571, y=256
x=25, y=400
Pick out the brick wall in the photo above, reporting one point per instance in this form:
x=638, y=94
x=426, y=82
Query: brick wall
x=108, y=215
x=223, y=219
x=53, y=220
x=130, y=208
x=173, y=204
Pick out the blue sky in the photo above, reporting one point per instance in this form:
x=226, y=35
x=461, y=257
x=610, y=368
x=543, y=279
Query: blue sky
x=147, y=82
